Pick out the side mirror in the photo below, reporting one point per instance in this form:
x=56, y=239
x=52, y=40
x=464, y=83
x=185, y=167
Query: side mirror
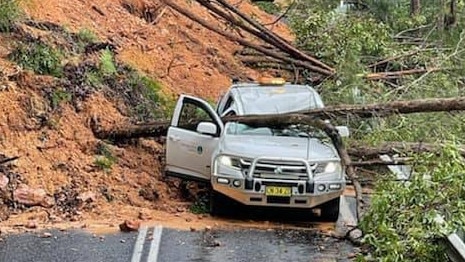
x=207, y=128
x=343, y=131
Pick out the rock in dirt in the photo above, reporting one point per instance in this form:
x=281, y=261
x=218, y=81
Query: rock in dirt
x=32, y=196
x=129, y=225
x=31, y=224
x=148, y=194
x=3, y=182
x=4, y=212
x=87, y=197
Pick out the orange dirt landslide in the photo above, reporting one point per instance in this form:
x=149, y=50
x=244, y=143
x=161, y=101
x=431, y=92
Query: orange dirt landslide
x=60, y=157
x=183, y=55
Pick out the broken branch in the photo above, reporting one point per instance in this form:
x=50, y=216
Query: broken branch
x=275, y=38
x=8, y=159
x=243, y=42
x=291, y=5
x=397, y=74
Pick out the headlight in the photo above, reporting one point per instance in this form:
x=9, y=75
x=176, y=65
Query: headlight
x=229, y=161
x=328, y=167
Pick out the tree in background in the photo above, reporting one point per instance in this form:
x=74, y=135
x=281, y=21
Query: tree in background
x=414, y=7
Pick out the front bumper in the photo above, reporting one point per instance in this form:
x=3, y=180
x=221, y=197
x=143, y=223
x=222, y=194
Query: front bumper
x=303, y=194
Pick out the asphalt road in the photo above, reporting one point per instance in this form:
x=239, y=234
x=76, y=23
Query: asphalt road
x=166, y=245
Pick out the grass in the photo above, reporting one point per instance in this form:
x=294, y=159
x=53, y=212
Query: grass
x=10, y=12
x=105, y=158
x=107, y=64
x=200, y=206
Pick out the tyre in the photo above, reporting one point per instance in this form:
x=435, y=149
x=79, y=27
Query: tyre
x=330, y=210
x=221, y=205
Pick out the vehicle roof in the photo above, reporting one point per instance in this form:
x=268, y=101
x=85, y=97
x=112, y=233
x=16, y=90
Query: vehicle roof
x=275, y=99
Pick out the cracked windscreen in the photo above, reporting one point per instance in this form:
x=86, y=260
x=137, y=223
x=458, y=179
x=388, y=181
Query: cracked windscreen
x=236, y=128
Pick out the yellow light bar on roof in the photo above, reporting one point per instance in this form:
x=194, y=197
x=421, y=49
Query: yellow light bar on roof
x=274, y=81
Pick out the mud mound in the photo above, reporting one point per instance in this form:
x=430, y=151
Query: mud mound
x=44, y=119
x=54, y=79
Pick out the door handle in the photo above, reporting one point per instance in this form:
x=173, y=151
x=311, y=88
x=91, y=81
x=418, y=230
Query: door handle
x=174, y=138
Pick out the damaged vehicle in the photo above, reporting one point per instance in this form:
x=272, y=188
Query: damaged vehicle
x=294, y=166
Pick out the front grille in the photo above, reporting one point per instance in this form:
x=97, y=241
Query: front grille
x=276, y=169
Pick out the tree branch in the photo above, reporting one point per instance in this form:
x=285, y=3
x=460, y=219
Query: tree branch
x=244, y=42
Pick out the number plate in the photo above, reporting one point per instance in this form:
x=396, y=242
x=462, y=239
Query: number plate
x=278, y=191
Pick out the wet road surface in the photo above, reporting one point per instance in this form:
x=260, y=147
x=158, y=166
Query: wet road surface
x=166, y=245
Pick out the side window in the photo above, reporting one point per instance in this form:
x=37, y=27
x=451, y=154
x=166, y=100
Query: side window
x=225, y=102
x=191, y=115
x=229, y=103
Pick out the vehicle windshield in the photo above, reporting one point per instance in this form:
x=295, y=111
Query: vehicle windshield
x=234, y=128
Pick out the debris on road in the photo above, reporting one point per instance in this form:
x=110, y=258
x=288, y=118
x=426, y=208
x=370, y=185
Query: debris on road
x=129, y=225
x=46, y=235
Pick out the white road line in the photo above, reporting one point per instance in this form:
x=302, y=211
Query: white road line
x=155, y=245
x=139, y=245
x=347, y=216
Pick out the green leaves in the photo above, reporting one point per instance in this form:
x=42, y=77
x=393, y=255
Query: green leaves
x=403, y=222
x=107, y=65
x=334, y=36
x=381, y=36
x=39, y=57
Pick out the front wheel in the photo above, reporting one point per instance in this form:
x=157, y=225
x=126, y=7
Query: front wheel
x=330, y=210
x=221, y=205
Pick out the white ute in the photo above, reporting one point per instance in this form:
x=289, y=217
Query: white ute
x=290, y=167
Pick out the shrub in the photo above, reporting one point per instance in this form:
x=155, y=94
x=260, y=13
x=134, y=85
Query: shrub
x=38, y=57
x=105, y=158
x=402, y=222
x=103, y=163
x=87, y=36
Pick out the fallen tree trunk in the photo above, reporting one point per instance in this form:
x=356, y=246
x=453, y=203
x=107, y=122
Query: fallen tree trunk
x=369, y=152
x=397, y=107
x=378, y=162
x=398, y=74
x=129, y=131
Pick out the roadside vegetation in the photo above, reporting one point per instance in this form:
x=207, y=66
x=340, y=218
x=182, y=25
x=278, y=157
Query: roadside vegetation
x=83, y=65
x=403, y=222
x=10, y=13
